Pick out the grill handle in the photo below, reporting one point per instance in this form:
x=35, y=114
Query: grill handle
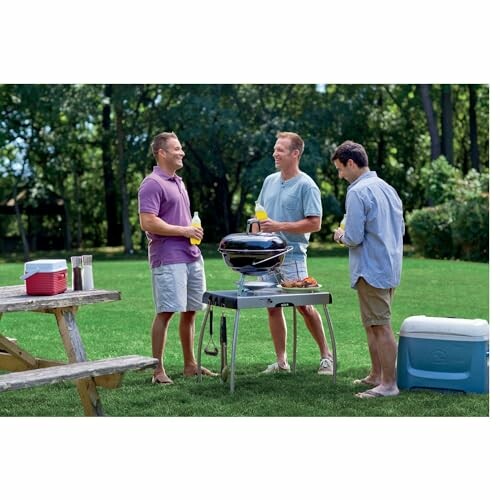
x=251, y=221
x=288, y=249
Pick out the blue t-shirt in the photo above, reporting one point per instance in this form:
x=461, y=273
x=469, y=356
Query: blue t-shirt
x=374, y=232
x=290, y=201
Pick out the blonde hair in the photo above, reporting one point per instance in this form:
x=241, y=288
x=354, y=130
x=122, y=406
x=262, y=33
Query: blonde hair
x=160, y=142
x=296, y=142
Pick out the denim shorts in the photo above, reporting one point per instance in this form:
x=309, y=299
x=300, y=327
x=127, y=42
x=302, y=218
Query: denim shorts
x=294, y=267
x=179, y=287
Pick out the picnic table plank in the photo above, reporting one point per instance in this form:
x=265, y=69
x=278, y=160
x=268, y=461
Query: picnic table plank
x=17, y=353
x=64, y=307
x=14, y=298
x=73, y=371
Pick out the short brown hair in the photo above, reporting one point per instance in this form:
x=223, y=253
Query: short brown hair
x=296, y=142
x=160, y=142
x=350, y=150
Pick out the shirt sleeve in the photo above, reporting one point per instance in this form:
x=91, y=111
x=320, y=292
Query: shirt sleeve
x=260, y=198
x=312, y=202
x=355, y=222
x=150, y=196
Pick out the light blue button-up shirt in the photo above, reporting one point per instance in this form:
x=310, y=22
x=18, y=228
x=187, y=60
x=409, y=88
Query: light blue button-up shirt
x=374, y=232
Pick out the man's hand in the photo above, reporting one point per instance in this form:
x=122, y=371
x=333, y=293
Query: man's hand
x=339, y=232
x=193, y=232
x=270, y=226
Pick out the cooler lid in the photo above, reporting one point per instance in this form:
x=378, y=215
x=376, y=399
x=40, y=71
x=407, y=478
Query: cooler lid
x=451, y=328
x=43, y=266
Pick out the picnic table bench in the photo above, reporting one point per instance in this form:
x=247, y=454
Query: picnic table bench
x=31, y=371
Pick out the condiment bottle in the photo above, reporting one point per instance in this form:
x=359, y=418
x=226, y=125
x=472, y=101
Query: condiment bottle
x=196, y=222
x=88, y=275
x=260, y=212
x=76, y=264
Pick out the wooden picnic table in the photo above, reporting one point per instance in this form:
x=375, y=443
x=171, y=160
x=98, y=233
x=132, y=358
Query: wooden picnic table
x=64, y=307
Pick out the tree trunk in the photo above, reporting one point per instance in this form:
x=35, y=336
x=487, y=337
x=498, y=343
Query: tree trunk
x=113, y=235
x=381, y=144
x=474, y=148
x=425, y=94
x=447, y=123
x=20, y=227
x=68, y=243
x=122, y=172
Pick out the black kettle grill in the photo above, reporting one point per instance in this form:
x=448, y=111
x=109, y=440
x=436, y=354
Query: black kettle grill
x=253, y=254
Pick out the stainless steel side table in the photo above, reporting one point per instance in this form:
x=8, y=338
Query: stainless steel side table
x=264, y=298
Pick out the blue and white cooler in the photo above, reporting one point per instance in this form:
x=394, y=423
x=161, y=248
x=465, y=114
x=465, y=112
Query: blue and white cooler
x=444, y=353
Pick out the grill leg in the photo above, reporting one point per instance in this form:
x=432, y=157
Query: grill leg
x=332, y=338
x=200, y=341
x=233, y=350
x=294, y=359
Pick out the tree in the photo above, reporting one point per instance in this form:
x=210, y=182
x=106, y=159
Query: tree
x=113, y=226
x=447, y=122
x=474, y=149
x=90, y=145
x=425, y=94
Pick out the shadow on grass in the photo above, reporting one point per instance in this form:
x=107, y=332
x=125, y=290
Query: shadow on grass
x=304, y=394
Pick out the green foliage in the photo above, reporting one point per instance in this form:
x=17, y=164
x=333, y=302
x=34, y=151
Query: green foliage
x=54, y=136
x=470, y=229
x=430, y=231
x=439, y=180
x=459, y=226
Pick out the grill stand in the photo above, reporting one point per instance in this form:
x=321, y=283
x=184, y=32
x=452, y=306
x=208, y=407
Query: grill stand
x=231, y=299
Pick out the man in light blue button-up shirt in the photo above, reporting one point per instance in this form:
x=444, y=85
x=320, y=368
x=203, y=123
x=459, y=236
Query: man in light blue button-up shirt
x=374, y=230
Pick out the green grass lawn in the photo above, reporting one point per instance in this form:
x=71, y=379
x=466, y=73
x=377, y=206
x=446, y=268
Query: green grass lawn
x=430, y=287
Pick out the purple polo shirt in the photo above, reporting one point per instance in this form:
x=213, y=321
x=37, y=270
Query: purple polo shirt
x=166, y=197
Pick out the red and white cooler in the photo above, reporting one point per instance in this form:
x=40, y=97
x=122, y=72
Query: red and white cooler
x=45, y=276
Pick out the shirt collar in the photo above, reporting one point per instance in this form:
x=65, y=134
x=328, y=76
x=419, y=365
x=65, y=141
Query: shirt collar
x=158, y=171
x=366, y=175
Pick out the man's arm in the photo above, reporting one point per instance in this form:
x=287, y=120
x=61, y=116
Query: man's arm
x=354, y=232
x=153, y=224
x=310, y=224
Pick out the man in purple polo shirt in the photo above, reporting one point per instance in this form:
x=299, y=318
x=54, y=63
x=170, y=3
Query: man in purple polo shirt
x=177, y=265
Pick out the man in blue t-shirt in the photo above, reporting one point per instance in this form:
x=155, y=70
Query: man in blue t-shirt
x=373, y=232
x=293, y=204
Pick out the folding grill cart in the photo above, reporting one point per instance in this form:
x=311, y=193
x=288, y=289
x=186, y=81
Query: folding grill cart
x=264, y=298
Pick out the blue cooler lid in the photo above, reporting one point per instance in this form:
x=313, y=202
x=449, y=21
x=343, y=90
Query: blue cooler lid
x=439, y=328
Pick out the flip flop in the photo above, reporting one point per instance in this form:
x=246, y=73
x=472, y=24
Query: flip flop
x=156, y=380
x=371, y=394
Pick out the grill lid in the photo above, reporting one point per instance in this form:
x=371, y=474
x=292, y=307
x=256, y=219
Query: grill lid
x=254, y=242
x=253, y=253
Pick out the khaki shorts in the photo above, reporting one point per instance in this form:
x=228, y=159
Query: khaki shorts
x=374, y=303
x=179, y=287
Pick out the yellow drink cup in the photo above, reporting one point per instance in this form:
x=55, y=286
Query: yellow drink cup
x=342, y=226
x=260, y=212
